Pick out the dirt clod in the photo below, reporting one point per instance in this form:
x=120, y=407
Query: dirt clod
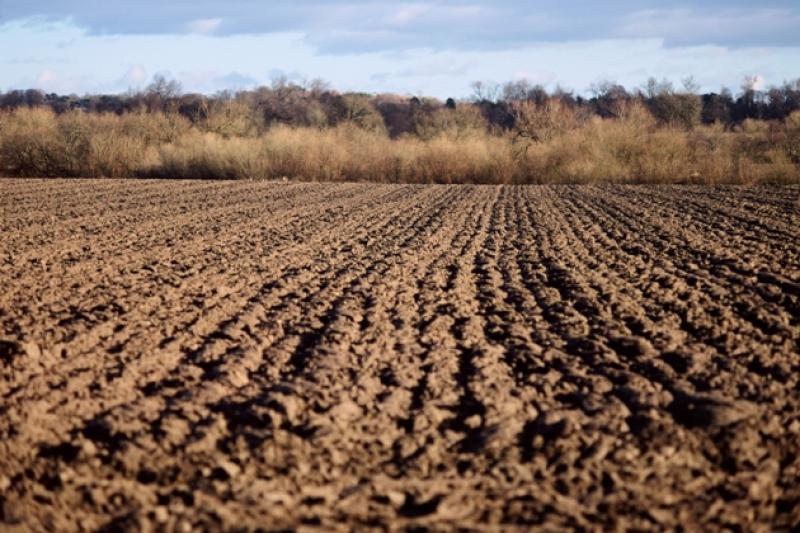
x=9, y=350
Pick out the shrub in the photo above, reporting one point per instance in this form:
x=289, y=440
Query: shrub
x=210, y=156
x=541, y=123
x=36, y=142
x=232, y=118
x=676, y=109
x=792, y=141
x=550, y=142
x=455, y=122
x=31, y=144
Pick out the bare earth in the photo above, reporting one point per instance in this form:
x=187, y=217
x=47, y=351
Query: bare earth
x=202, y=355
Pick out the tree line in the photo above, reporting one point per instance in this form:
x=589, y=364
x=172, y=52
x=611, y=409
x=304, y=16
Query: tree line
x=494, y=106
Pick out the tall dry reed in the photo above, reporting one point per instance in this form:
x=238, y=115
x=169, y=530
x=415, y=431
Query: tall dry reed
x=549, y=145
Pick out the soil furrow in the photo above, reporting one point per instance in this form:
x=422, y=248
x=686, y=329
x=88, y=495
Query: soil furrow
x=181, y=356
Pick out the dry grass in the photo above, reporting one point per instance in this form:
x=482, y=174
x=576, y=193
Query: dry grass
x=634, y=149
x=36, y=142
x=551, y=145
x=342, y=153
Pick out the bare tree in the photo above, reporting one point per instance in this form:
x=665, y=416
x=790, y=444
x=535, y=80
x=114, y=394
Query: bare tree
x=161, y=94
x=653, y=87
x=690, y=85
x=485, y=92
x=751, y=83
x=164, y=88
x=535, y=123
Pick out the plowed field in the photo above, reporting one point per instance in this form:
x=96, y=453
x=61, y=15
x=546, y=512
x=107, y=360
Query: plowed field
x=203, y=355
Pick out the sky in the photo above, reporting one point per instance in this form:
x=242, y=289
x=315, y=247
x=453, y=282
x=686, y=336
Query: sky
x=431, y=48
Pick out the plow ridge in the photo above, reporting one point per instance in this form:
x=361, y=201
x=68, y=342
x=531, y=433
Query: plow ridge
x=228, y=355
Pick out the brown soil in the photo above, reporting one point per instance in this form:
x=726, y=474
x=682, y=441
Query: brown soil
x=203, y=355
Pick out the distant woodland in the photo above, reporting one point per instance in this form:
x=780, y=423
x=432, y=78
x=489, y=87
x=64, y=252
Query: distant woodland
x=511, y=133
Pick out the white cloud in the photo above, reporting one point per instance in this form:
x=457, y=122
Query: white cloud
x=537, y=77
x=46, y=79
x=50, y=80
x=441, y=66
x=755, y=82
x=407, y=13
x=110, y=64
x=203, y=26
x=682, y=26
x=135, y=76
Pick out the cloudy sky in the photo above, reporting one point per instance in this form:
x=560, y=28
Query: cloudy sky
x=425, y=47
